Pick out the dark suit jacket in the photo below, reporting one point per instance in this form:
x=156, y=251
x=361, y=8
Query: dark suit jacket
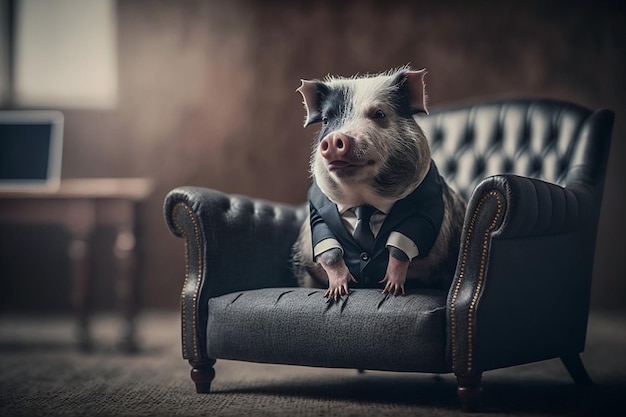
x=417, y=216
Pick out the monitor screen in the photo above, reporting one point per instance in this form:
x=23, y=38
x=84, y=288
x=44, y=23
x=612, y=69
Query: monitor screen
x=30, y=149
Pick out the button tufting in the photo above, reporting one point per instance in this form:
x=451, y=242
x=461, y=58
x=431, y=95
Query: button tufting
x=479, y=168
x=469, y=136
x=526, y=138
x=563, y=166
x=451, y=166
x=437, y=136
x=508, y=165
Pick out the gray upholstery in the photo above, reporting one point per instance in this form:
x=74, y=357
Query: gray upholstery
x=297, y=326
x=533, y=172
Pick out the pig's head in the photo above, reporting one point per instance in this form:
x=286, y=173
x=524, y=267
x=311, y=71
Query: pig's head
x=369, y=149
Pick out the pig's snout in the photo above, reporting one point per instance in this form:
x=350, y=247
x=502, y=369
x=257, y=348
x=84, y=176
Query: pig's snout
x=335, y=146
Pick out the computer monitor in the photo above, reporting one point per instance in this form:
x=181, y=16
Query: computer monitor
x=31, y=145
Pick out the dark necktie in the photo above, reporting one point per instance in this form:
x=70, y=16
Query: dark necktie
x=362, y=232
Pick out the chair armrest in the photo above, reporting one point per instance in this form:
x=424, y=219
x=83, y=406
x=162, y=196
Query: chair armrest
x=524, y=246
x=232, y=243
x=536, y=208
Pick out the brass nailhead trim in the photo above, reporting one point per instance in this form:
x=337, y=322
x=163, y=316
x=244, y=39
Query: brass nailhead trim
x=481, y=276
x=196, y=229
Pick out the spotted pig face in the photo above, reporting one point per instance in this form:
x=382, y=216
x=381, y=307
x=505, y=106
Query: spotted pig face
x=369, y=149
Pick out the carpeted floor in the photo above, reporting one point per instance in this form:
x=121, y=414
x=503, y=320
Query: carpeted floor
x=42, y=375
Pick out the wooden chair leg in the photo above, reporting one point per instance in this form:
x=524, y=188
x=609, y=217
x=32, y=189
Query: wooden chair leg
x=576, y=369
x=469, y=391
x=202, y=374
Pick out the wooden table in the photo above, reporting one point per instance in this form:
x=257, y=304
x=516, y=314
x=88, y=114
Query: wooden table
x=80, y=205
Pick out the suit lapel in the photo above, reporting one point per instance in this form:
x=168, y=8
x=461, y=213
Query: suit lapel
x=328, y=211
x=407, y=206
x=400, y=211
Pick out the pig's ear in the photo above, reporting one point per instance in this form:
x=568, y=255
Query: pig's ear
x=311, y=99
x=416, y=90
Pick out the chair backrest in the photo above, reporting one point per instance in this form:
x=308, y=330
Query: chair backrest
x=555, y=141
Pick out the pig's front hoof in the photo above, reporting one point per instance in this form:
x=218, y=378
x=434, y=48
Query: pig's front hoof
x=395, y=287
x=395, y=291
x=395, y=276
x=336, y=293
x=333, y=300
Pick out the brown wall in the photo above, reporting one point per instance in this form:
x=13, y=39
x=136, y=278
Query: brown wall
x=207, y=94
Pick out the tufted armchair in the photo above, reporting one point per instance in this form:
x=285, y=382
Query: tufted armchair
x=533, y=172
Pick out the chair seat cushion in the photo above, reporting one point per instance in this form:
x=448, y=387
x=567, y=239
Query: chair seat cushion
x=297, y=326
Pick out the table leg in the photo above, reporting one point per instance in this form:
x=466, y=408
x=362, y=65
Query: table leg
x=126, y=287
x=80, y=256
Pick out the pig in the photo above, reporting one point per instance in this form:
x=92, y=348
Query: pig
x=371, y=156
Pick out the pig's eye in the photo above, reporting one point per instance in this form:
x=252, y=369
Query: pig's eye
x=379, y=114
x=325, y=120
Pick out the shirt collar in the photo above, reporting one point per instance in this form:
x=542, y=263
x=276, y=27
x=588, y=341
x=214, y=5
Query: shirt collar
x=383, y=208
